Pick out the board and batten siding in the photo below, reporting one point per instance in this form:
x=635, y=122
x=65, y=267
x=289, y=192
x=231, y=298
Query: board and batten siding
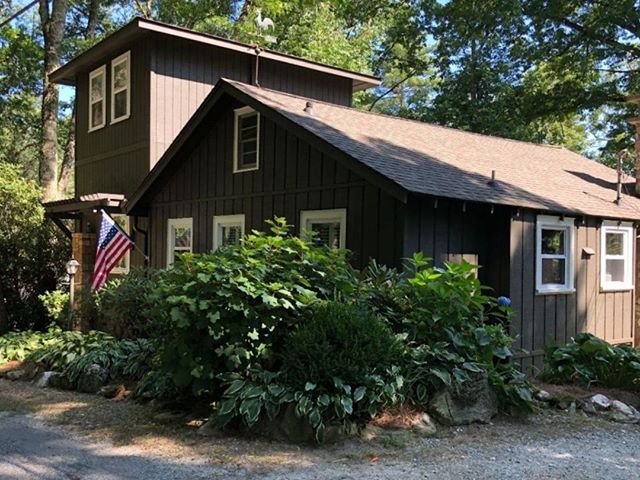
x=115, y=158
x=183, y=73
x=293, y=176
x=539, y=318
x=451, y=231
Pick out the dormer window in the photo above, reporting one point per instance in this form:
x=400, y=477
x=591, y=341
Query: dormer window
x=97, y=87
x=246, y=140
x=120, y=87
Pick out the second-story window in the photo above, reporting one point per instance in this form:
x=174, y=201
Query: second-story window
x=246, y=140
x=120, y=87
x=96, y=98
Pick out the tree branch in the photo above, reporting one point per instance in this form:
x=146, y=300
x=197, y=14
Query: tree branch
x=393, y=87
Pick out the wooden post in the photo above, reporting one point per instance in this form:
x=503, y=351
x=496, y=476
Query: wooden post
x=83, y=246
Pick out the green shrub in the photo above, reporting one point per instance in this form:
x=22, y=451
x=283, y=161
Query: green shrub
x=338, y=340
x=60, y=348
x=33, y=252
x=122, y=304
x=19, y=345
x=263, y=393
x=228, y=310
x=444, y=314
x=56, y=305
x=589, y=360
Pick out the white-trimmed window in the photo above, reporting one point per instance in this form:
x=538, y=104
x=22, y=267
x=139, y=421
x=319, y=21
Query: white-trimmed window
x=616, y=247
x=329, y=227
x=554, y=254
x=246, y=140
x=97, y=93
x=123, y=265
x=227, y=230
x=120, y=87
x=179, y=238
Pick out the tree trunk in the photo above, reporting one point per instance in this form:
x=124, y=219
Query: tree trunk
x=4, y=315
x=69, y=158
x=244, y=11
x=52, y=23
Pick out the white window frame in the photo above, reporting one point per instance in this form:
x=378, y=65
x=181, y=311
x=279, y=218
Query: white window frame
x=127, y=256
x=226, y=221
x=239, y=112
x=545, y=222
x=307, y=217
x=102, y=70
x=125, y=57
x=177, y=223
x=627, y=230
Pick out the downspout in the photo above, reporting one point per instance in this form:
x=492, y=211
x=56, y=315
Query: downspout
x=145, y=248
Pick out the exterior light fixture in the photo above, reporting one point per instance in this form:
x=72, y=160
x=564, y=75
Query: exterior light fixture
x=72, y=268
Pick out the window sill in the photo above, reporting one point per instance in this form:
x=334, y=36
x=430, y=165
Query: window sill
x=555, y=292
x=121, y=119
x=244, y=170
x=613, y=289
x=95, y=129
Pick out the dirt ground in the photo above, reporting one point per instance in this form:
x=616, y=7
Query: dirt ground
x=550, y=444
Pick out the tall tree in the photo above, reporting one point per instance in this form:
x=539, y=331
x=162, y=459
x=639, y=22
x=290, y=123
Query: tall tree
x=52, y=20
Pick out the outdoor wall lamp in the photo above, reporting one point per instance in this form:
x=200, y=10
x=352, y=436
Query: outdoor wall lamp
x=72, y=268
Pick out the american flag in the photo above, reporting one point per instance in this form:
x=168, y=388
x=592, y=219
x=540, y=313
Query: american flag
x=113, y=243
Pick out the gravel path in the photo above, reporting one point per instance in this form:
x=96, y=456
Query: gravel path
x=31, y=449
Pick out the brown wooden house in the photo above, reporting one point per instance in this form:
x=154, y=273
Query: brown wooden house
x=194, y=166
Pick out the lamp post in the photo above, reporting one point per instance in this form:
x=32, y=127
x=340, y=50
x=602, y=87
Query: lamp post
x=72, y=269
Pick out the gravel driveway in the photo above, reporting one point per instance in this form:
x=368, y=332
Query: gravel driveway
x=31, y=449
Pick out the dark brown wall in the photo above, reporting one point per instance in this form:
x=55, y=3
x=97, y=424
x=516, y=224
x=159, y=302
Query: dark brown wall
x=183, y=74
x=539, y=318
x=292, y=177
x=115, y=158
x=449, y=230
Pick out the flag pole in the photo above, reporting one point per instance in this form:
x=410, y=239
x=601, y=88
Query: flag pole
x=146, y=257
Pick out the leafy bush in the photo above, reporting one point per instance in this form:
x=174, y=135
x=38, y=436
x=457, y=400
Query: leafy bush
x=339, y=404
x=32, y=252
x=73, y=352
x=19, y=345
x=56, y=305
x=445, y=315
x=339, y=340
x=227, y=311
x=122, y=304
x=589, y=360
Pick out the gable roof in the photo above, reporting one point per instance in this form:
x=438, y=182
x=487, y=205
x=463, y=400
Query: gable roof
x=139, y=27
x=421, y=158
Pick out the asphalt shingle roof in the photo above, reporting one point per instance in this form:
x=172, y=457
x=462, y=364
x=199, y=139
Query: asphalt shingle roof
x=445, y=162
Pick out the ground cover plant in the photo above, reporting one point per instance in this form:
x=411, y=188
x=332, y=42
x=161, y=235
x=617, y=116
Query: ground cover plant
x=72, y=353
x=589, y=360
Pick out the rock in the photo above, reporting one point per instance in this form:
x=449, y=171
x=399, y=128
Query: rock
x=61, y=381
x=623, y=413
x=169, y=417
x=15, y=374
x=92, y=379
x=112, y=391
x=572, y=408
x=425, y=425
x=210, y=429
x=588, y=407
x=475, y=402
x=44, y=379
x=600, y=402
x=288, y=427
x=544, y=396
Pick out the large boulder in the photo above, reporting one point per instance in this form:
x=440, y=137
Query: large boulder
x=623, y=413
x=43, y=380
x=92, y=379
x=473, y=402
